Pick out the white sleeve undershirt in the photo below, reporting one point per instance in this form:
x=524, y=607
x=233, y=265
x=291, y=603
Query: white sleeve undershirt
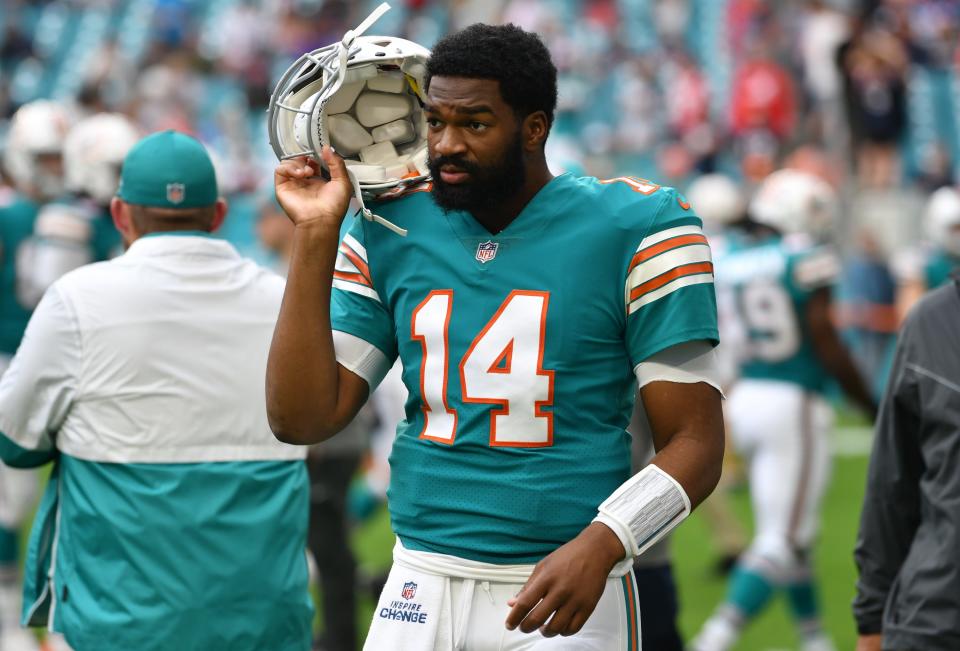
x=689, y=362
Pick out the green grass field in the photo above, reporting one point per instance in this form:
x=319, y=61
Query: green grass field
x=699, y=589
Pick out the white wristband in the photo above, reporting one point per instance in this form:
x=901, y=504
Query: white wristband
x=644, y=509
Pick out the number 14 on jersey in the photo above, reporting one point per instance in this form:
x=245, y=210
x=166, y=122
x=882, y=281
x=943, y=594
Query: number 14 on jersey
x=502, y=367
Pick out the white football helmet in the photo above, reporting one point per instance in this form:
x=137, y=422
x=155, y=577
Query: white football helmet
x=792, y=201
x=363, y=95
x=93, y=154
x=37, y=129
x=717, y=200
x=941, y=220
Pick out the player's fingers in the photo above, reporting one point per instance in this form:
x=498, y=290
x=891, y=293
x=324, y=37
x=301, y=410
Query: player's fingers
x=558, y=624
x=576, y=622
x=294, y=168
x=528, y=597
x=542, y=612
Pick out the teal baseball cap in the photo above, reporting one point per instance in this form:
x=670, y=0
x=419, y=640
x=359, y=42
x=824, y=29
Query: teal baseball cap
x=168, y=169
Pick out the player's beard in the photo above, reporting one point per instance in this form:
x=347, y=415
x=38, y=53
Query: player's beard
x=486, y=187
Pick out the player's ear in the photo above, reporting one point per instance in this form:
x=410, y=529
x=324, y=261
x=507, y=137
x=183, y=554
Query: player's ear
x=219, y=214
x=534, y=131
x=123, y=220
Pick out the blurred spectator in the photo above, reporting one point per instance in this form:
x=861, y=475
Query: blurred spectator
x=823, y=30
x=763, y=98
x=671, y=18
x=875, y=67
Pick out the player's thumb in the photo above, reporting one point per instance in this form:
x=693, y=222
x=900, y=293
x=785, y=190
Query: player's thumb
x=338, y=169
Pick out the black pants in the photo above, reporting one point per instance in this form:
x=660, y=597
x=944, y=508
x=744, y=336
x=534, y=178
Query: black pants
x=657, y=594
x=329, y=543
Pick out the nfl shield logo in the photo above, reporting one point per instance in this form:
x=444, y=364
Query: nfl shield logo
x=487, y=251
x=175, y=192
x=409, y=590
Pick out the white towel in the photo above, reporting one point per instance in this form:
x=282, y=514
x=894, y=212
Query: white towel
x=413, y=613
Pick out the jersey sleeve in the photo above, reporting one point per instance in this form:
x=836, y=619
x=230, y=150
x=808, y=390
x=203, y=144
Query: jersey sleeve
x=669, y=292
x=814, y=268
x=363, y=329
x=39, y=387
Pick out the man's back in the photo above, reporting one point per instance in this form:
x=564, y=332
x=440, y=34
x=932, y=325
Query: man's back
x=772, y=280
x=175, y=519
x=175, y=325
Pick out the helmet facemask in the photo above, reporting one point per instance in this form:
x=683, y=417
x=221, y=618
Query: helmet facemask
x=364, y=97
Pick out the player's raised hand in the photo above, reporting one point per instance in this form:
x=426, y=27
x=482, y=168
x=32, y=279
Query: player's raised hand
x=309, y=199
x=567, y=584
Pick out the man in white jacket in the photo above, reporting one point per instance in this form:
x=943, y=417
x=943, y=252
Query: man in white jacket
x=173, y=519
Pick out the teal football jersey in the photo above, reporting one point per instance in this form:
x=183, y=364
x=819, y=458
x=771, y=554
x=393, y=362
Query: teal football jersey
x=17, y=216
x=518, y=352
x=938, y=267
x=771, y=281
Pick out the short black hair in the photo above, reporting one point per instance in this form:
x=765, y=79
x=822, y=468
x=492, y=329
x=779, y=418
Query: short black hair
x=505, y=53
x=153, y=219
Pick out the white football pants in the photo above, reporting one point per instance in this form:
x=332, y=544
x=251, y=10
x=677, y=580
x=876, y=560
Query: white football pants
x=781, y=430
x=433, y=602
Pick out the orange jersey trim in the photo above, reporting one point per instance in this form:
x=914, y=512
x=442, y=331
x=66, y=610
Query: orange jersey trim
x=666, y=245
x=673, y=274
x=353, y=278
x=357, y=261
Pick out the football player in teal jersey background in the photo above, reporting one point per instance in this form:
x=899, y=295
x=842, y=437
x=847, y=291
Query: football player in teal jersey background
x=930, y=266
x=76, y=229
x=779, y=273
x=525, y=309
x=32, y=161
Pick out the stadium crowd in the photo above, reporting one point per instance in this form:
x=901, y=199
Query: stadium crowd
x=864, y=94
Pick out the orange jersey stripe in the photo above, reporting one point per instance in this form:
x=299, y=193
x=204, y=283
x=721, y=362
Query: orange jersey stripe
x=633, y=613
x=673, y=274
x=356, y=260
x=666, y=245
x=353, y=278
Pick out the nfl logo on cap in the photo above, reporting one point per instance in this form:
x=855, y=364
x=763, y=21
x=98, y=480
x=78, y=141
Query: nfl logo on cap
x=487, y=251
x=409, y=590
x=175, y=193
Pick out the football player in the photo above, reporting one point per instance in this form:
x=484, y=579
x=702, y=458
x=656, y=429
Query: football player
x=931, y=266
x=525, y=310
x=780, y=277
x=32, y=160
x=76, y=228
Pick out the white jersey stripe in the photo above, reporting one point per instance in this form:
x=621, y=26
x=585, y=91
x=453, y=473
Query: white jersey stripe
x=344, y=265
x=665, y=262
x=358, y=248
x=656, y=238
x=363, y=290
x=669, y=288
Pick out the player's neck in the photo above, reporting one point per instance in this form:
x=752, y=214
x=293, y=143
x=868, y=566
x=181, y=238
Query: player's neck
x=502, y=215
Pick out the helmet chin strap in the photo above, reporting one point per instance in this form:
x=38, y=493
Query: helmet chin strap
x=374, y=16
x=344, y=50
x=368, y=214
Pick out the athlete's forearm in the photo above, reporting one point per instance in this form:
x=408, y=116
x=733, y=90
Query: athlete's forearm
x=695, y=461
x=833, y=354
x=687, y=425
x=302, y=373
